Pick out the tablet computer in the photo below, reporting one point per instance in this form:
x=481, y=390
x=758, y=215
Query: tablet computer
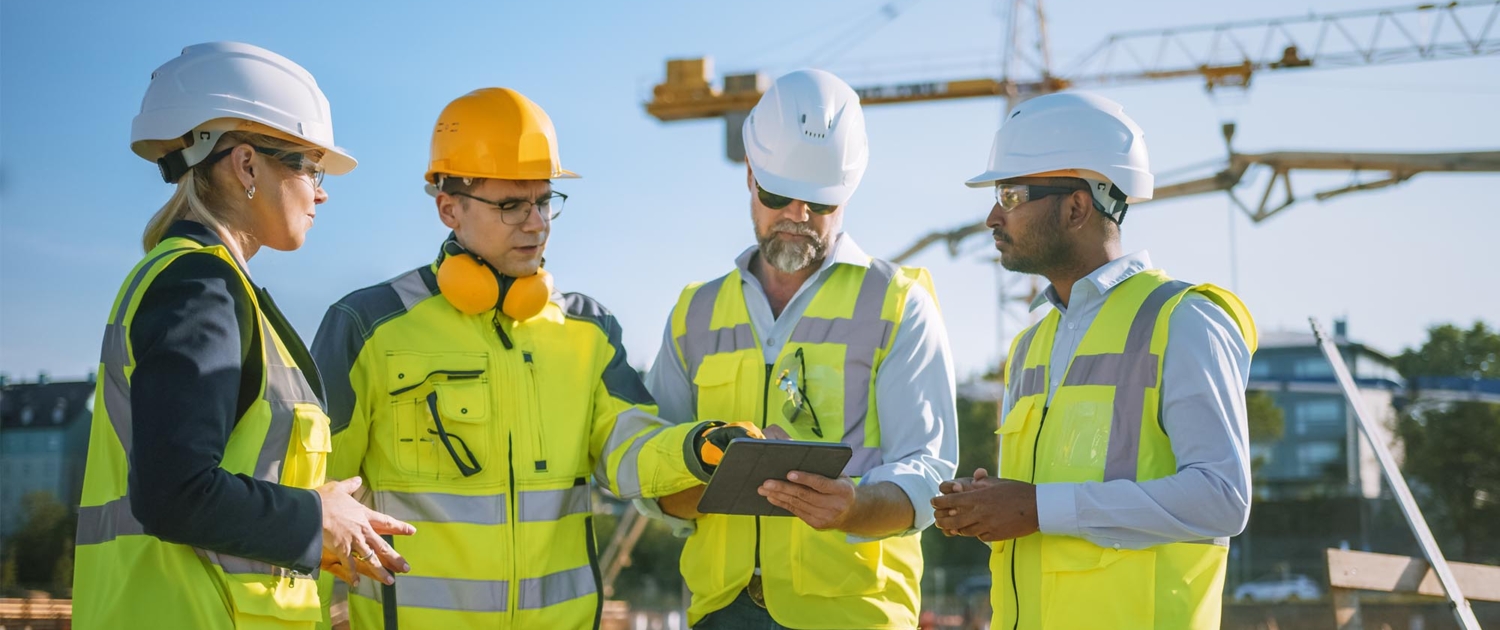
x=748, y=463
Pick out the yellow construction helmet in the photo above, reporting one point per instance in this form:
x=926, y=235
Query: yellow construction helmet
x=494, y=133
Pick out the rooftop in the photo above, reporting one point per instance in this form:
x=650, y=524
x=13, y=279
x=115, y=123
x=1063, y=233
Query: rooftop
x=30, y=405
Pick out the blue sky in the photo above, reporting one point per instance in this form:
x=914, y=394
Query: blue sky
x=659, y=207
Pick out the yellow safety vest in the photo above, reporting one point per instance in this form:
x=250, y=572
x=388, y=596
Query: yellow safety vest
x=126, y=578
x=810, y=579
x=544, y=412
x=1103, y=424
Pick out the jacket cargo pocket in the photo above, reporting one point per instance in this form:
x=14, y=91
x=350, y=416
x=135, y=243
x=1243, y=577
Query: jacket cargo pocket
x=460, y=389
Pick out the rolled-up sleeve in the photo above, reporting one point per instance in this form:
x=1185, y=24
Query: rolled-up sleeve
x=914, y=396
x=1204, y=376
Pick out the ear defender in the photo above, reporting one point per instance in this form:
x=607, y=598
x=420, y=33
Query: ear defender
x=472, y=286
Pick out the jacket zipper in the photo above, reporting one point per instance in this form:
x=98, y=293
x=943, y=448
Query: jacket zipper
x=512, y=504
x=538, y=441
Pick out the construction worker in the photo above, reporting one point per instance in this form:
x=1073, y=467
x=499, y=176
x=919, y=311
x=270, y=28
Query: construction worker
x=812, y=339
x=204, y=502
x=481, y=406
x=1124, y=467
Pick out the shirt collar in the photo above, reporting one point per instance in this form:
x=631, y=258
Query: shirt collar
x=1106, y=277
x=845, y=252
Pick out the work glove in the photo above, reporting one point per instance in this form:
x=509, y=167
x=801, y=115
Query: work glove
x=714, y=439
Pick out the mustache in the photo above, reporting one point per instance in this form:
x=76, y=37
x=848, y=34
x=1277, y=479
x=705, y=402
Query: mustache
x=792, y=227
x=1003, y=237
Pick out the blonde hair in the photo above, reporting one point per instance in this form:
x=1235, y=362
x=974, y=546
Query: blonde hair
x=199, y=198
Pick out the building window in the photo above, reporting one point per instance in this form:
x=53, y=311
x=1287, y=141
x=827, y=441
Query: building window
x=1312, y=367
x=1260, y=369
x=1322, y=415
x=1319, y=459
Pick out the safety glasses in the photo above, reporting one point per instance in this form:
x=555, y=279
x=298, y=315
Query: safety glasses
x=298, y=162
x=776, y=202
x=796, y=395
x=1012, y=196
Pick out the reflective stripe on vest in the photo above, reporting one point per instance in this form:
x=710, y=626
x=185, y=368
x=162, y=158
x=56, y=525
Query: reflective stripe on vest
x=864, y=333
x=1130, y=372
x=486, y=595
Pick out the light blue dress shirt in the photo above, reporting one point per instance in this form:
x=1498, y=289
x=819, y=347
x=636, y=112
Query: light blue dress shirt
x=1204, y=375
x=914, y=387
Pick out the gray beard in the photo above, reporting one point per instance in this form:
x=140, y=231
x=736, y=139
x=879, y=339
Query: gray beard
x=792, y=256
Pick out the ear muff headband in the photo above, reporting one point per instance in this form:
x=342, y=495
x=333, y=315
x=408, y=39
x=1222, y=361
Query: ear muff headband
x=472, y=286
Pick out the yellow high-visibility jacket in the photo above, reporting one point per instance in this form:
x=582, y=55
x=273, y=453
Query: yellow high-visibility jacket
x=126, y=578
x=487, y=434
x=1103, y=424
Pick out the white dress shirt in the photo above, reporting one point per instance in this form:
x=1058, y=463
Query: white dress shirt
x=1204, y=375
x=914, y=387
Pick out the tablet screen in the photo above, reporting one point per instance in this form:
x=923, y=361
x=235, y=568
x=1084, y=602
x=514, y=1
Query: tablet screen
x=748, y=463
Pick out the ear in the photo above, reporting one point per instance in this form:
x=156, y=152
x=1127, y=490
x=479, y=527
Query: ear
x=241, y=163
x=749, y=177
x=449, y=208
x=1078, y=207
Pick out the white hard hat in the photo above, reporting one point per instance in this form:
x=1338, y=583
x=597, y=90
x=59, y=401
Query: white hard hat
x=805, y=139
x=221, y=86
x=1084, y=133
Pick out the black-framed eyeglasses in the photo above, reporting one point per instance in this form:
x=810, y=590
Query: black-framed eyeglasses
x=515, y=211
x=796, y=395
x=776, y=202
x=298, y=162
x=1011, y=196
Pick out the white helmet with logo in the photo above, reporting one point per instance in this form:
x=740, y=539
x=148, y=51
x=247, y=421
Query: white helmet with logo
x=226, y=86
x=806, y=140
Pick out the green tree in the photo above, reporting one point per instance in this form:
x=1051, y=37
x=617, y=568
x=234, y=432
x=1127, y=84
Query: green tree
x=42, y=540
x=1453, y=449
x=8, y=574
x=1267, y=422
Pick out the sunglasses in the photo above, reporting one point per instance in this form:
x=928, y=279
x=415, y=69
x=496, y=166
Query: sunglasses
x=776, y=202
x=796, y=395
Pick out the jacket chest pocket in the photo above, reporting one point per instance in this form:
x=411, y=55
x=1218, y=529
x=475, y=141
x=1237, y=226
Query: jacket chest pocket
x=441, y=412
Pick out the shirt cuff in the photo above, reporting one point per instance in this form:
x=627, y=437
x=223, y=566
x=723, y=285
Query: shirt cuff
x=917, y=491
x=1056, y=509
x=681, y=527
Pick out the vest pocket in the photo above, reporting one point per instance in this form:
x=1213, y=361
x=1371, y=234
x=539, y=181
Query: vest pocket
x=306, y=464
x=1083, y=583
x=826, y=565
x=717, y=382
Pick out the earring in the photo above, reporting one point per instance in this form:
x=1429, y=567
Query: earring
x=250, y=192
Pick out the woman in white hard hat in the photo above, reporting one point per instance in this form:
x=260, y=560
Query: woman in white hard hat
x=204, y=503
